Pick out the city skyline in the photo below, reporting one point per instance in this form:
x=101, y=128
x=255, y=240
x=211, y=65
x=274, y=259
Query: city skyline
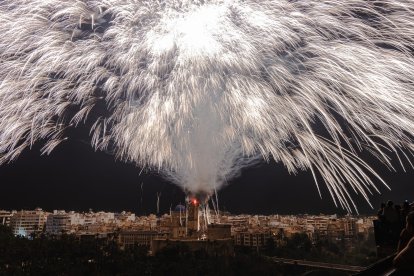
x=225, y=235
x=57, y=222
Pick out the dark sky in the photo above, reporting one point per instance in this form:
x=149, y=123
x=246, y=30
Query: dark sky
x=75, y=177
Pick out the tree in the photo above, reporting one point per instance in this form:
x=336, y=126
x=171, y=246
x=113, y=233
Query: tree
x=270, y=246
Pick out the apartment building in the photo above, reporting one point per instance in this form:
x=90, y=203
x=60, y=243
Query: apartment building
x=27, y=223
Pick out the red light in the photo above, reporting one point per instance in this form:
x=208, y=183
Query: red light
x=195, y=201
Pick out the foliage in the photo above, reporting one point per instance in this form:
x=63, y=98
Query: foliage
x=360, y=251
x=69, y=255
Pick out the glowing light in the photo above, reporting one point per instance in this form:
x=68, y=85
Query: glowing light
x=21, y=232
x=200, y=89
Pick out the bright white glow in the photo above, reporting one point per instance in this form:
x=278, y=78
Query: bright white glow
x=200, y=89
x=21, y=232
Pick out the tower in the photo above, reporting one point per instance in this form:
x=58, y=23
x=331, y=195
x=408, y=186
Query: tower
x=193, y=223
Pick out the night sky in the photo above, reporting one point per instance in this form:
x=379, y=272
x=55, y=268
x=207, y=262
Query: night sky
x=75, y=177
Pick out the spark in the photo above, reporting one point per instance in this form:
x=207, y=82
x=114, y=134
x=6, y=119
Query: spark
x=200, y=89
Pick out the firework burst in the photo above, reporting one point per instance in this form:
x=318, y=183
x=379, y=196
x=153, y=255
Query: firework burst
x=199, y=89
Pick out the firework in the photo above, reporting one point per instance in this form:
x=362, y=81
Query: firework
x=200, y=89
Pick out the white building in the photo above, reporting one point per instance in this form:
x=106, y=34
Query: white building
x=104, y=217
x=60, y=222
x=5, y=217
x=124, y=217
x=77, y=218
x=252, y=238
x=26, y=223
x=350, y=227
x=89, y=219
x=320, y=224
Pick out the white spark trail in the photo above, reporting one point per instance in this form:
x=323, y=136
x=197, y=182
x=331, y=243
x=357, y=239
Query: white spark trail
x=200, y=89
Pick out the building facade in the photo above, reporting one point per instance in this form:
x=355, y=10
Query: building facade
x=5, y=217
x=27, y=223
x=255, y=239
x=127, y=239
x=59, y=223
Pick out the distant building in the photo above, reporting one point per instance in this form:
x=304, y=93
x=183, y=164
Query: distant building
x=177, y=223
x=104, y=217
x=320, y=224
x=177, y=215
x=124, y=218
x=255, y=239
x=128, y=239
x=218, y=231
x=335, y=231
x=188, y=229
x=5, y=217
x=61, y=222
x=184, y=221
x=193, y=222
x=26, y=223
x=350, y=227
x=365, y=226
x=88, y=219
